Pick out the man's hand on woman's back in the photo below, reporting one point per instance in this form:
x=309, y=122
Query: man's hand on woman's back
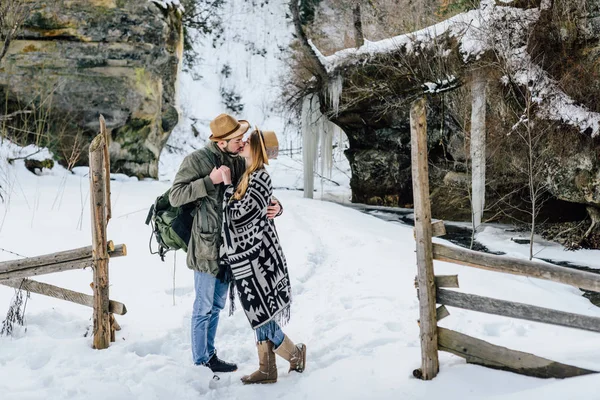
x=274, y=209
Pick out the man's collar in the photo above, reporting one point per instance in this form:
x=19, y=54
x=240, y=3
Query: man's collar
x=214, y=147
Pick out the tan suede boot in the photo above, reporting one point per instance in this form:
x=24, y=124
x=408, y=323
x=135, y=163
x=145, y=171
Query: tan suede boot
x=267, y=369
x=295, y=354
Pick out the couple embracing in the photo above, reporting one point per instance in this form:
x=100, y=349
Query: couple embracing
x=234, y=245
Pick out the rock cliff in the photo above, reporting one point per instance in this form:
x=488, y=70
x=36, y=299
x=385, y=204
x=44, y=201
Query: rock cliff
x=76, y=59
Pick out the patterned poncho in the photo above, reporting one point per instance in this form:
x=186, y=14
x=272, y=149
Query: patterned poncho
x=252, y=254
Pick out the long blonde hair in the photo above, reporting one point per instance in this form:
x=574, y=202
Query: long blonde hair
x=257, y=162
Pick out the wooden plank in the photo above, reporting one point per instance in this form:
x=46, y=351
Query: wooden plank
x=104, y=133
x=120, y=251
x=47, y=269
x=113, y=327
x=446, y=281
x=99, y=243
x=62, y=294
x=517, y=310
x=470, y=258
x=480, y=352
x=437, y=229
x=422, y=210
x=441, y=312
x=48, y=259
x=79, y=254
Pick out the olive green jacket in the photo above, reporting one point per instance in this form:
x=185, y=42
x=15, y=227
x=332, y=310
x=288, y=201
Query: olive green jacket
x=193, y=184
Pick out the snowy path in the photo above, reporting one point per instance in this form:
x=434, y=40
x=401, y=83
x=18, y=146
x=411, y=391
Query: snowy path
x=354, y=305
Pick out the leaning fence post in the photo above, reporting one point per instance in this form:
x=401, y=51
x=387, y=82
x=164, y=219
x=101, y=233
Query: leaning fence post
x=422, y=209
x=99, y=243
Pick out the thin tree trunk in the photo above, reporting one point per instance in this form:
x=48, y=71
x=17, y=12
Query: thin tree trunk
x=359, y=38
x=320, y=71
x=532, y=229
x=595, y=217
x=532, y=182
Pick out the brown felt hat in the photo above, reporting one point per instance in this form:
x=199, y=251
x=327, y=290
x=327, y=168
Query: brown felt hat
x=269, y=144
x=226, y=127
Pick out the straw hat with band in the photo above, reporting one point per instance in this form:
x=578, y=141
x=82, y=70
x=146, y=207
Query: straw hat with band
x=268, y=143
x=225, y=127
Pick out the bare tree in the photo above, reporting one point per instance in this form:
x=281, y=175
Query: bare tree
x=13, y=14
x=530, y=158
x=201, y=18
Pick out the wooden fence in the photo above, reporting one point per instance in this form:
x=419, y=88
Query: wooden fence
x=431, y=292
x=16, y=273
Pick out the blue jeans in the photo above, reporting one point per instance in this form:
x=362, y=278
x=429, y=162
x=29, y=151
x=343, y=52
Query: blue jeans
x=270, y=331
x=211, y=294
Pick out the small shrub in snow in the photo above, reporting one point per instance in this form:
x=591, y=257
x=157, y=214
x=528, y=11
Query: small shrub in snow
x=16, y=313
x=231, y=100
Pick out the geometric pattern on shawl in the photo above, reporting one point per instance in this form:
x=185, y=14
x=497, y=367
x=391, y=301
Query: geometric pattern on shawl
x=251, y=248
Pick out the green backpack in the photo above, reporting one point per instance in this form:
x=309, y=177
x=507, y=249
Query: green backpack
x=171, y=226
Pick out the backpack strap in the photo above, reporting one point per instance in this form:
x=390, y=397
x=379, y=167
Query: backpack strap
x=150, y=215
x=204, y=213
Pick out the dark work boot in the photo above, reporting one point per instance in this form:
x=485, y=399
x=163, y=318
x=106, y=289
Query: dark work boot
x=218, y=365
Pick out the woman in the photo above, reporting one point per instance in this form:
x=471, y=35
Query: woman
x=252, y=257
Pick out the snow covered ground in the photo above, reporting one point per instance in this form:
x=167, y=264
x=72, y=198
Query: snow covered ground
x=354, y=306
x=352, y=275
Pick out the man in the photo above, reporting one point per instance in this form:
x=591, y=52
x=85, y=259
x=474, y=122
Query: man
x=200, y=181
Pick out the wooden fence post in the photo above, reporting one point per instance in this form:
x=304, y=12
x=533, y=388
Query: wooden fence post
x=422, y=209
x=104, y=134
x=99, y=243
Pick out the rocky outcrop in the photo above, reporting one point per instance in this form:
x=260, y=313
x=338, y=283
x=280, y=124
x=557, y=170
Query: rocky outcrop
x=374, y=110
x=119, y=58
x=379, y=152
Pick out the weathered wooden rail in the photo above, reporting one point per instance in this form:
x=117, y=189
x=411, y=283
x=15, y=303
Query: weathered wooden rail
x=57, y=262
x=15, y=273
x=476, y=351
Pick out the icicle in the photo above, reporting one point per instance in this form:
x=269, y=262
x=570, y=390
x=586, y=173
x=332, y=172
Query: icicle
x=327, y=147
x=341, y=140
x=317, y=138
x=309, y=142
x=478, y=148
x=335, y=92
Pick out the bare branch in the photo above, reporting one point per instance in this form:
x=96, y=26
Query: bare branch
x=319, y=68
x=13, y=14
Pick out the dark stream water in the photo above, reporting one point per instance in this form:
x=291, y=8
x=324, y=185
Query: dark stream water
x=461, y=236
